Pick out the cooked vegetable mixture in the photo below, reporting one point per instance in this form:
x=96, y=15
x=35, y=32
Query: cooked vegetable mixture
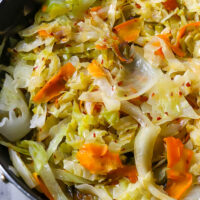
x=102, y=100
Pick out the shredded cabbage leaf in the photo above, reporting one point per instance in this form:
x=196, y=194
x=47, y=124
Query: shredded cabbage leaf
x=15, y=115
x=110, y=80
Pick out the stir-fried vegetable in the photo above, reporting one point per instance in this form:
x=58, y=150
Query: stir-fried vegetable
x=129, y=31
x=179, y=160
x=104, y=97
x=55, y=85
x=170, y=4
x=98, y=159
x=42, y=186
x=95, y=69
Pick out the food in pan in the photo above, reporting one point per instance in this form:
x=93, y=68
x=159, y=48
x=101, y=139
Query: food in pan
x=101, y=100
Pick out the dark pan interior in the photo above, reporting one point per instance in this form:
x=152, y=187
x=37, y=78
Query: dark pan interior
x=12, y=178
x=4, y=156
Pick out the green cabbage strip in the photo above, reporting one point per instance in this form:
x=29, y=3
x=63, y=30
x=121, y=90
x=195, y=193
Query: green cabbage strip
x=68, y=177
x=40, y=159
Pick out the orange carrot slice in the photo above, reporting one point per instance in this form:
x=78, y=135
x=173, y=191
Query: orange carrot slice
x=179, y=160
x=170, y=5
x=159, y=52
x=98, y=159
x=129, y=31
x=55, y=85
x=174, y=151
x=95, y=69
x=177, y=188
x=183, y=29
x=101, y=47
x=43, y=33
x=174, y=48
x=95, y=9
x=42, y=186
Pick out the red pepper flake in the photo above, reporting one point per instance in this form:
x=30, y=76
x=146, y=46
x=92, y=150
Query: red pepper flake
x=94, y=135
x=166, y=113
x=153, y=94
x=138, y=5
x=159, y=118
x=149, y=116
x=44, y=8
x=171, y=94
x=120, y=83
x=180, y=93
x=35, y=68
x=178, y=119
x=102, y=62
x=112, y=88
x=144, y=98
x=97, y=107
x=188, y=84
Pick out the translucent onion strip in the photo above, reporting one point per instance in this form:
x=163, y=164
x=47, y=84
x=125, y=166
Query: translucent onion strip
x=139, y=77
x=22, y=169
x=143, y=147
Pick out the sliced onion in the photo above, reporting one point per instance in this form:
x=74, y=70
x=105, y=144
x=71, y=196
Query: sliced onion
x=48, y=178
x=135, y=113
x=144, y=146
x=91, y=96
x=107, y=94
x=22, y=169
x=139, y=77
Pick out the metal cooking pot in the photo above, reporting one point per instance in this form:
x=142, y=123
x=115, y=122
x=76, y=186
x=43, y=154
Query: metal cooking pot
x=14, y=10
x=8, y=176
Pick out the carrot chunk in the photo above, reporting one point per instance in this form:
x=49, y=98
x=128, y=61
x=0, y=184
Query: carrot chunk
x=43, y=33
x=95, y=69
x=98, y=159
x=55, y=85
x=177, y=188
x=129, y=31
x=179, y=160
